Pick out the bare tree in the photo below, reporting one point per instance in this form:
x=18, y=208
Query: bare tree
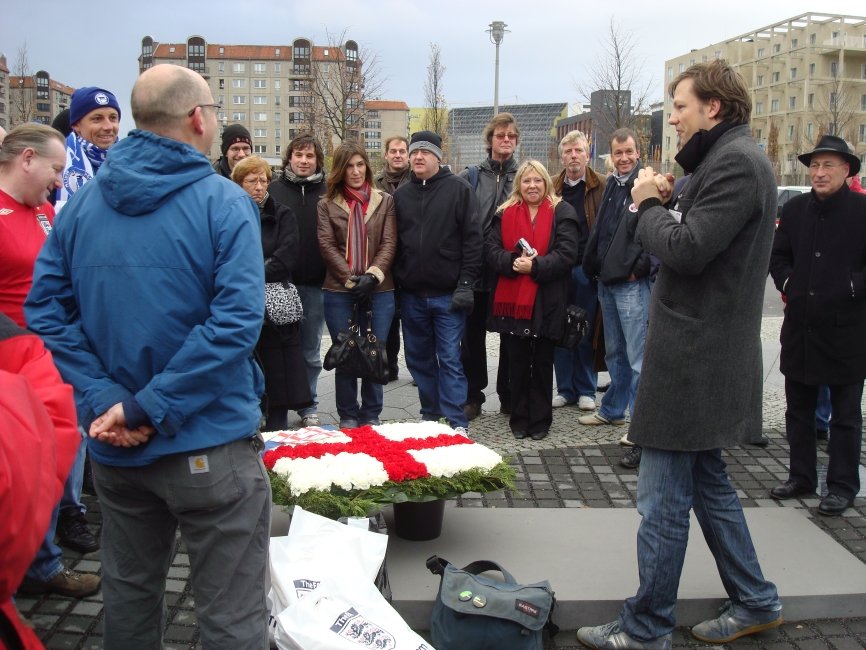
x=622, y=91
x=340, y=84
x=773, y=148
x=22, y=98
x=837, y=106
x=436, y=113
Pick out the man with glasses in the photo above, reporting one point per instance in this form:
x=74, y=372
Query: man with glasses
x=236, y=145
x=149, y=295
x=818, y=262
x=492, y=181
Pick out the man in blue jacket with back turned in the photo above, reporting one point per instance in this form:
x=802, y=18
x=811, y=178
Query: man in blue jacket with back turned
x=150, y=294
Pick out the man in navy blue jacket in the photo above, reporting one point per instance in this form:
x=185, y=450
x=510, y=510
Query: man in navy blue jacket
x=150, y=296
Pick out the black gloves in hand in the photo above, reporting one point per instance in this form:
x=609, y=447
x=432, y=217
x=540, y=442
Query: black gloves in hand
x=364, y=285
x=463, y=298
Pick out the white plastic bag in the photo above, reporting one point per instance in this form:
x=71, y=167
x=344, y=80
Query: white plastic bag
x=341, y=616
x=318, y=548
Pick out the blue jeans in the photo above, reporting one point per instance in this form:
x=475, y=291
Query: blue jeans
x=823, y=411
x=575, y=376
x=625, y=311
x=70, y=502
x=431, y=346
x=670, y=484
x=47, y=562
x=338, y=310
x=311, y=339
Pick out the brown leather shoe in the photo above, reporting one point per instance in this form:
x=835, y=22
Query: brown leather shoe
x=66, y=583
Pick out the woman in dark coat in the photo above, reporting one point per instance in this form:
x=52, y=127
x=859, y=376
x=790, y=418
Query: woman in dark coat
x=531, y=291
x=279, y=347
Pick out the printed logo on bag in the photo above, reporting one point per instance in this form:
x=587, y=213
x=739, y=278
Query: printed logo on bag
x=527, y=608
x=304, y=586
x=354, y=627
x=198, y=465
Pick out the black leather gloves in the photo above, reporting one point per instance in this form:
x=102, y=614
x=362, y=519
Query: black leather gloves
x=463, y=298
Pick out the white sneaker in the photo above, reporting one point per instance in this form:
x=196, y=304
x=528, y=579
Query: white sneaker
x=559, y=401
x=586, y=403
x=625, y=442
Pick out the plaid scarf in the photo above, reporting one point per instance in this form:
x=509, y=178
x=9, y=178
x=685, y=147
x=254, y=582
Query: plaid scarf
x=356, y=246
x=515, y=297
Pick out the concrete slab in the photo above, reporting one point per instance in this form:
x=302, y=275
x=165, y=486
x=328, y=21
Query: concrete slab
x=588, y=555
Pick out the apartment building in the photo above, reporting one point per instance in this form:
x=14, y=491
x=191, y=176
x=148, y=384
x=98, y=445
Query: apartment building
x=807, y=77
x=383, y=119
x=34, y=98
x=276, y=91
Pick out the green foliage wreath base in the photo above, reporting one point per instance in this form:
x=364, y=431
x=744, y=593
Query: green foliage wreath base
x=337, y=502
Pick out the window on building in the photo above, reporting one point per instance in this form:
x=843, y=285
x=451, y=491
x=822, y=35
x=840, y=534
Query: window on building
x=373, y=124
x=300, y=100
x=760, y=80
x=777, y=48
x=221, y=100
x=239, y=116
x=222, y=84
x=670, y=74
x=239, y=83
x=704, y=58
x=793, y=43
x=260, y=99
x=276, y=84
x=667, y=142
x=277, y=100
x=301, y=51
x=681, y=67
x=834, y=36
x=774, y=106
x=260, y=148
x=195, y=50
x=691, y=61
x=352, y=102
x=790, y=132
x=813, y=38
x=277, y=133
x=793, y=73
x=260, y=133
x=863, y=70
x=760, y=52
x=373, y=146
x=239, y=67
x=863, y=133
x=278, y=67
x=759, y=108
x=277, y=149
x=831, y=100
x=811, y=69
x=239, y=99
x=776, y=77
x=293, y=133
x=372, y=114
x=277, y=117
x=296, y=118
x=259, y=68
x=717, y=54
x=809, y=127
x=221, y=67
x=221, y=116
x=299, y=68
x=811, y=100
x=863, y=102
x=300, y=85
x=758, y=134
x=834, y=68
x=260, y=83
x=260, y=117
x=792, y=102
x=43, y=107
x=171, y=50
x=351, y=54
x=222, y=50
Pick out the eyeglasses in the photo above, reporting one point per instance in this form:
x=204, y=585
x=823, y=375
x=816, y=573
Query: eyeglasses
x=827, y=166
x=503, y=136
x=216, y=107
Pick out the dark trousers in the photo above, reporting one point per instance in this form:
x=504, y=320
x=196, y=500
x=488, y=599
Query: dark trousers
x=845, y=436
x=530, y=370
x=473, y=349
x=392, y=345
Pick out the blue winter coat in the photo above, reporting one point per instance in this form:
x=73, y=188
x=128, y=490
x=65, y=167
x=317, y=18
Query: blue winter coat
x=152, y=285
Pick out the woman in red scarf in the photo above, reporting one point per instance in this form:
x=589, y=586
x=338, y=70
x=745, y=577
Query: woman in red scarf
x=531, y=290
x=358, y=239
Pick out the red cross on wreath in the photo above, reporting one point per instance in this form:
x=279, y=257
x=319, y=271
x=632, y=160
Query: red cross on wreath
x=393, y=454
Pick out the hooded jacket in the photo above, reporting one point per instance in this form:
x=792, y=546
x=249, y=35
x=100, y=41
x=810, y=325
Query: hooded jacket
x=152, y=286
x=438, y=234
x=303, y=198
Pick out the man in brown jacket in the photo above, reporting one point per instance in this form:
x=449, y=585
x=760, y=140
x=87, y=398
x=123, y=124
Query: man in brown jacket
x=580, y=186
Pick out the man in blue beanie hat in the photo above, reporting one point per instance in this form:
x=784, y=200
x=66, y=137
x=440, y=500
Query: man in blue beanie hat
x=94, y=115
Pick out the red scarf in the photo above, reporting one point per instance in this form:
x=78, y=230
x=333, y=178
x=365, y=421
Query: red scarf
x=515, y=297
x=356, y=244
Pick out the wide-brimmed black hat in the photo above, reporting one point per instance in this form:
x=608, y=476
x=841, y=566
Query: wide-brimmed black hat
x=833, y=144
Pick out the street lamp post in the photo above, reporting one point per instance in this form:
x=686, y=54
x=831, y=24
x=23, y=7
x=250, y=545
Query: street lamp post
x=497, y=30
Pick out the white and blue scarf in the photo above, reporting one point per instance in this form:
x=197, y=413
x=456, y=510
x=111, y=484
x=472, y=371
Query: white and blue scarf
x=83, y=160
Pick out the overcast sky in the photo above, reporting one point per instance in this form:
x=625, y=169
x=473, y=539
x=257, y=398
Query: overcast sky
x=545, y=57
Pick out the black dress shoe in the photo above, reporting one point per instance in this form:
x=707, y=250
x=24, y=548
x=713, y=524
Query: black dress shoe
x=834, y=505
x=520, y=435
x=73, y=533
x=393, y=374
x=790, y=490
x=471, y=410
x=539, y=435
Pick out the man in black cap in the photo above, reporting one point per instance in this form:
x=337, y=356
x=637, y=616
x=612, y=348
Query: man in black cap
x=236, y=145
x=438, y=260
x=819, y=263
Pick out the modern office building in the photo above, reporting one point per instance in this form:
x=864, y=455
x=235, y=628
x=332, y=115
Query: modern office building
x=537, y=132
x=276, y=91
x=807, y=77
x=33, y=98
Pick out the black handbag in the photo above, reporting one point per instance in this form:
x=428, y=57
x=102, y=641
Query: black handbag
x=483, y=613
x=575, y=327
x=359, y=354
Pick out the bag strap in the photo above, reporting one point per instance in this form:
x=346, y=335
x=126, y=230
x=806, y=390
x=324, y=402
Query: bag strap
x=437, y=566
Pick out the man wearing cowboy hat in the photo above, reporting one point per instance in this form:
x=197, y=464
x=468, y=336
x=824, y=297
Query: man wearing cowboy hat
x=819, y=263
